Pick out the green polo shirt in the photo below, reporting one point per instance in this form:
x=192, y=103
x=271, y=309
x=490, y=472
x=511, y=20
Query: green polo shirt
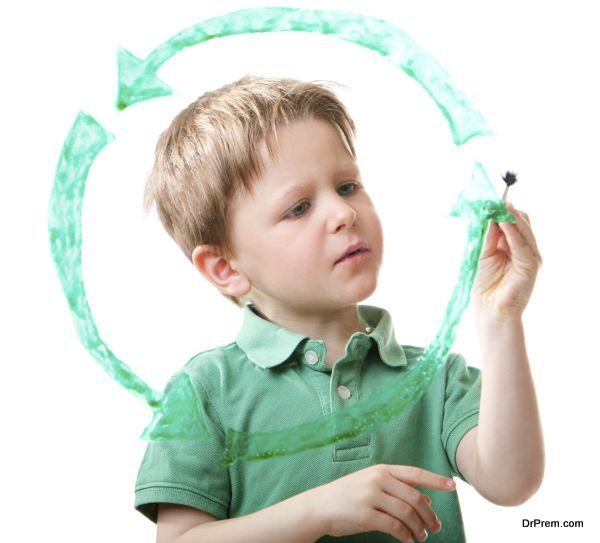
x=271, y=378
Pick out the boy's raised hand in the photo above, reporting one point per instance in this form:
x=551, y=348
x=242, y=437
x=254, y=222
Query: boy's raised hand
x=379, y=498
x=508, y=267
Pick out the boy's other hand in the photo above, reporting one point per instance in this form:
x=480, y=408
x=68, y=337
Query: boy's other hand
x=379, y=498
x=508, y=267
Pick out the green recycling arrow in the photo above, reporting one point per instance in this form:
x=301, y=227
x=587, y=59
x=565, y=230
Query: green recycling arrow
x=138, y=80
x=177, y=414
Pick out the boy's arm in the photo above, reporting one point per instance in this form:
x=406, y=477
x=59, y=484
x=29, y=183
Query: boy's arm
x=290, y=519
x=503, y=458
x=379, y=498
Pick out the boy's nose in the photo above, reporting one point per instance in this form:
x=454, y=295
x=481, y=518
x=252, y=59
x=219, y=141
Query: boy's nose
x=341, y=214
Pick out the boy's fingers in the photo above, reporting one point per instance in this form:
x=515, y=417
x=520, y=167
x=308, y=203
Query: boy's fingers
x=491, y=241
x=389, y=524
x=421, y=477
x=401, y=510
x=422, y=517
x=523, y=226
x=518, y=213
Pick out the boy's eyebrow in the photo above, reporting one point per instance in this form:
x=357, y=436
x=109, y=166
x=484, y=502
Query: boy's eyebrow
x=297, y=188
x=291, y=191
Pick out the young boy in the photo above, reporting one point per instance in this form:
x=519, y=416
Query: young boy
x=258, y=184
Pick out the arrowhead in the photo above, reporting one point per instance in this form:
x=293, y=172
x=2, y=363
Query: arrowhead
x=137, y=81
x=180, y=416
x=480, y=198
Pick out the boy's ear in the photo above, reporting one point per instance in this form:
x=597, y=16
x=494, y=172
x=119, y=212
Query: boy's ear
x=219, y=271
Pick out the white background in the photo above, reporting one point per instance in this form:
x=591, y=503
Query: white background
x=70, y=447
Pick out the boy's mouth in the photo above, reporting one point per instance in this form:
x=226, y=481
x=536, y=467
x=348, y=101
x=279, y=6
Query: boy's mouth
x=352, y=250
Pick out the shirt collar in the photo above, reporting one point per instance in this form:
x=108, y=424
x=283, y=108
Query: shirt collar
x=267, y=344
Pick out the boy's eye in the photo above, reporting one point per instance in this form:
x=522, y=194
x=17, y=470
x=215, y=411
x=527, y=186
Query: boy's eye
x=353, y=186
x=292, y=213
x=345, y=190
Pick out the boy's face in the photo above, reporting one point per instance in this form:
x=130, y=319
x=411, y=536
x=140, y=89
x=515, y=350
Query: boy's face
x=306, y=210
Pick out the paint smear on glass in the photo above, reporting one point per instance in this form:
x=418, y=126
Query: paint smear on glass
x=138, y=80
x=177, y=412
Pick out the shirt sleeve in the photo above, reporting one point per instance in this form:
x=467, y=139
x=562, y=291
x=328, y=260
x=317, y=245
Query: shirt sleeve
x=186, y=472
x=461, y=406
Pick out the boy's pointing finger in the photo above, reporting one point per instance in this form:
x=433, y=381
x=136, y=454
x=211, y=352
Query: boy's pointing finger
x=421, y=477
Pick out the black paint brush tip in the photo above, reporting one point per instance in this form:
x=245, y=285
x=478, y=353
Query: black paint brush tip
x=510, y=178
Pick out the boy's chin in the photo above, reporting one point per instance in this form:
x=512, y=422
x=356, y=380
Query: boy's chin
x=362, y=292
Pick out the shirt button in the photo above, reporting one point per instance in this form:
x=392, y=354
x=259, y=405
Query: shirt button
x=311, y=357
x=344, y=392
x=368, y=329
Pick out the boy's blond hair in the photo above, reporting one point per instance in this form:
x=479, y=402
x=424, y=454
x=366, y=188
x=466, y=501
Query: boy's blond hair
x=209, y=153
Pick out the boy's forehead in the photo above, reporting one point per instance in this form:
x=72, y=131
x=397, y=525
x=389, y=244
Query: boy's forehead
x=277, y=177
x=288, y=134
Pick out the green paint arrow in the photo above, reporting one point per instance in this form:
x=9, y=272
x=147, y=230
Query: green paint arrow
x=84, y=142
x=138, y=80
x=176, y=414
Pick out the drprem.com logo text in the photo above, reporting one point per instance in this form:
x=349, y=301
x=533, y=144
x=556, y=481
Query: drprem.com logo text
x=537, y=523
